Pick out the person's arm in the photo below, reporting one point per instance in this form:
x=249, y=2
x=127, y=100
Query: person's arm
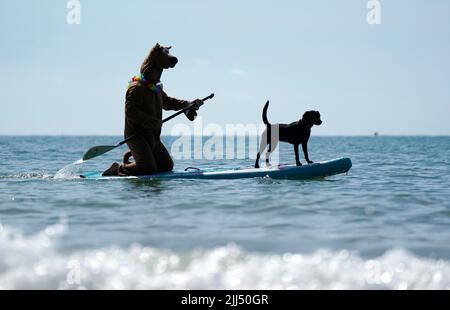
x=169, y=103
x=134, y=112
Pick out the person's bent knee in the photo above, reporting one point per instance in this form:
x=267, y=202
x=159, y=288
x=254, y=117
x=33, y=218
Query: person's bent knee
x=162, y=158
x=164, y=162
x=167, y=165
x=148, y=169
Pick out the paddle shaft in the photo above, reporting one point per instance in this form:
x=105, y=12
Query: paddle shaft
x=166, y=119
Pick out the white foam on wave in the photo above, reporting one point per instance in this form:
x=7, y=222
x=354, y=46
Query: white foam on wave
x=27, y=176
x=34, y=262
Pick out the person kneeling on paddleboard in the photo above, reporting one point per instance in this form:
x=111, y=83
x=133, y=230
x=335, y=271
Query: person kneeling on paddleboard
x=145, y=99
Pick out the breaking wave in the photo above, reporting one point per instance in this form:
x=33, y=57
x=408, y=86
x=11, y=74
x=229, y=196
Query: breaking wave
x=34, y=262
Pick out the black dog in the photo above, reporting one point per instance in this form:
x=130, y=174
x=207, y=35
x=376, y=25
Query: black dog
x=294, y=133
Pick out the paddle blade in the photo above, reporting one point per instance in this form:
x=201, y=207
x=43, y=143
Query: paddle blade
x=97, y=151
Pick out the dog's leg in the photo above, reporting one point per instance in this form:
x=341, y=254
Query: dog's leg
x=305, y=152
x=269, y=140
x=297, y=159
x=257, y=160
x=268, y=154
x=262, y=147
x=272, y=146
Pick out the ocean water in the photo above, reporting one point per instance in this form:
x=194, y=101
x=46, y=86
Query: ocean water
x=384, y=224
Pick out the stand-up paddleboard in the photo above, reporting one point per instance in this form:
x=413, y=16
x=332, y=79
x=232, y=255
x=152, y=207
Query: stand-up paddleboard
x=316, y=170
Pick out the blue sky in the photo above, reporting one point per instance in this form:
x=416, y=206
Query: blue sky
x=71, y=79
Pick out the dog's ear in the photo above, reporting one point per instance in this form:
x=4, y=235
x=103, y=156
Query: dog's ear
x=158, y=47
x=309, y=116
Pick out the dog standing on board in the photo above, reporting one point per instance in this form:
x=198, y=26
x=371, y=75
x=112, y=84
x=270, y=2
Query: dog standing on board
x=295, y=133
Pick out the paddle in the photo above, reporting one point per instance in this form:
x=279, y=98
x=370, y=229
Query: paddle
x=102, y=149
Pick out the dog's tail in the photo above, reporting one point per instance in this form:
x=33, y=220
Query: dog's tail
x=264, y=113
